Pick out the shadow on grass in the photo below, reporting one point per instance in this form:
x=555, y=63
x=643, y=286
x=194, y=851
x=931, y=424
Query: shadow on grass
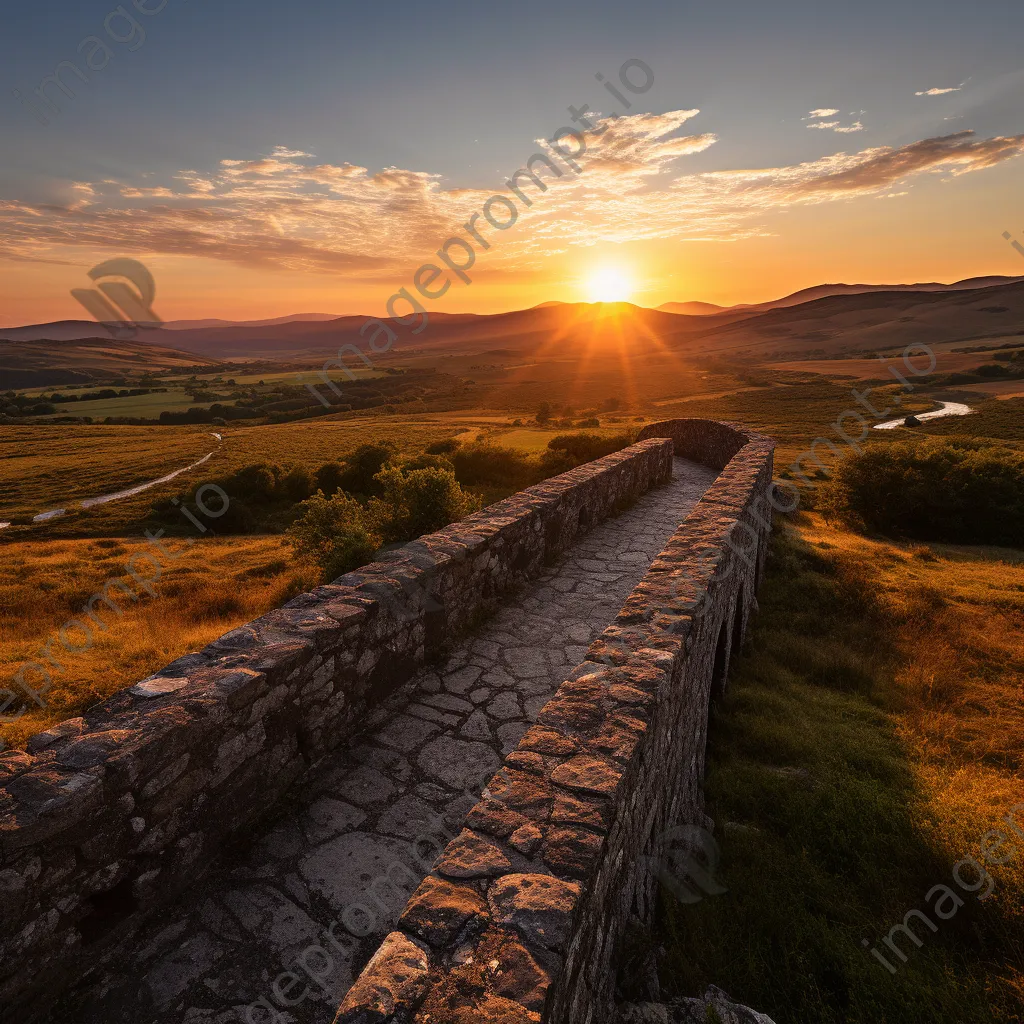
x=824, y=834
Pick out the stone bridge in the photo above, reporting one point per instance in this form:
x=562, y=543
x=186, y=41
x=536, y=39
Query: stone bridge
x=424, y=792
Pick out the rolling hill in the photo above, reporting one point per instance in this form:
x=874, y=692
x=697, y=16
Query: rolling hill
x=837, y=324
x=695, y=308
x=821, y=291
x=826, y=324
x=43, y=363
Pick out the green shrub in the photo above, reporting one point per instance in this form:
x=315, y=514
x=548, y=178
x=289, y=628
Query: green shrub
x=427, y=461
x=334, y=533
x=587, y=447
x=296, y=483
x=446, y=447
x=954, y=489
x=416, y=502
x=491, y=465
x=256, y=482
x=363, y=465
x=237, y=518
x=329, y=477
x=499, y=470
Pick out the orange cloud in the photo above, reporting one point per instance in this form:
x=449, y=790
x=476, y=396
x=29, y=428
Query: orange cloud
x=287, y=210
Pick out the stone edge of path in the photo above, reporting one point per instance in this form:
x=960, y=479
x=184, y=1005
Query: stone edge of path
x=107, y=817
x=520, y=919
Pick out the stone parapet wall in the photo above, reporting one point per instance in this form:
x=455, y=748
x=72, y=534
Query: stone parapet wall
x=522, y=917
x=712, y=443
x=105, y=818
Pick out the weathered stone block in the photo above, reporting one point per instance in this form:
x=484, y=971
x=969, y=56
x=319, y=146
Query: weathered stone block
x=439, y=911
x=539, y=907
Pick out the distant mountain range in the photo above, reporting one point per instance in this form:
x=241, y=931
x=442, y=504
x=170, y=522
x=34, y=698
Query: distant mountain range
x=187, y=325
x=694, y=308
x=45, y=363
x=821, y=291
x=827, y=320
x=74, y=330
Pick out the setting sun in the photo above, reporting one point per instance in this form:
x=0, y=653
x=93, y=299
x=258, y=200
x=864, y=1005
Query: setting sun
x=609, y=284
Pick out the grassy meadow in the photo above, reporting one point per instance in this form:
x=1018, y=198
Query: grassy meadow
x=871, y=734
x=50, y=570
x=202, y=590
x=52, y=466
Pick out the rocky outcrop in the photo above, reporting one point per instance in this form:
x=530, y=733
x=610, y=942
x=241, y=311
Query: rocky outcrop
x=715, y=1005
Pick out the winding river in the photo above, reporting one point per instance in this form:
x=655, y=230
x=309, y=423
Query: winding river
x=946, y=409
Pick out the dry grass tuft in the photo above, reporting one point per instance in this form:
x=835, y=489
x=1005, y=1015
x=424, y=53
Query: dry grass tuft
x=211, y=587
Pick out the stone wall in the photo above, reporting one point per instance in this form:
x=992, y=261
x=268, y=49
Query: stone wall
x=107, y=817
x=522, y=917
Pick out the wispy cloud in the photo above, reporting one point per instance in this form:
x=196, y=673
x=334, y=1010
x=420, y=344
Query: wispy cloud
x=838, y=126
x=940, y=92
x=818, y=115
x=289, y=211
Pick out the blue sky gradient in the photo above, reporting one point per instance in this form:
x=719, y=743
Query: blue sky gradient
x=461, y=89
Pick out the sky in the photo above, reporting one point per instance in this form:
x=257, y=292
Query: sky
x=262, y=158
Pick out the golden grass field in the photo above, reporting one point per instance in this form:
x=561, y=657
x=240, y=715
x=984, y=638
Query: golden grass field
x=873, y=731
x=957, y=689
x=48, y=567
x=997, y=389
x=872, y=734
x=207, y=589
x=55, y=466
x=50, y=466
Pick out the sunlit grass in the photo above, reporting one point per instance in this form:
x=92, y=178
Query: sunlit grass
x=871, y=735
x=211, y=587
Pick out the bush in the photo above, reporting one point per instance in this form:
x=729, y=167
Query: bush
x=491, y=465
x=497, y=469
x=446, y=447
x=238, y=518
x=992, y=370
x=297, y=483
x=329, y=477
x=363, y=465
x=956, y=490
x=257, y=482
x=416, y=502
x=426, y=461
x=333, y=532
x=587, y=447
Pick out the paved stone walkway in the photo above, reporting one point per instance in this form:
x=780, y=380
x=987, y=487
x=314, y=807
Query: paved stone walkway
x=290, y=917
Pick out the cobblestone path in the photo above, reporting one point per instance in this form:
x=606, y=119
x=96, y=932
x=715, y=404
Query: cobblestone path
x=280, y=929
